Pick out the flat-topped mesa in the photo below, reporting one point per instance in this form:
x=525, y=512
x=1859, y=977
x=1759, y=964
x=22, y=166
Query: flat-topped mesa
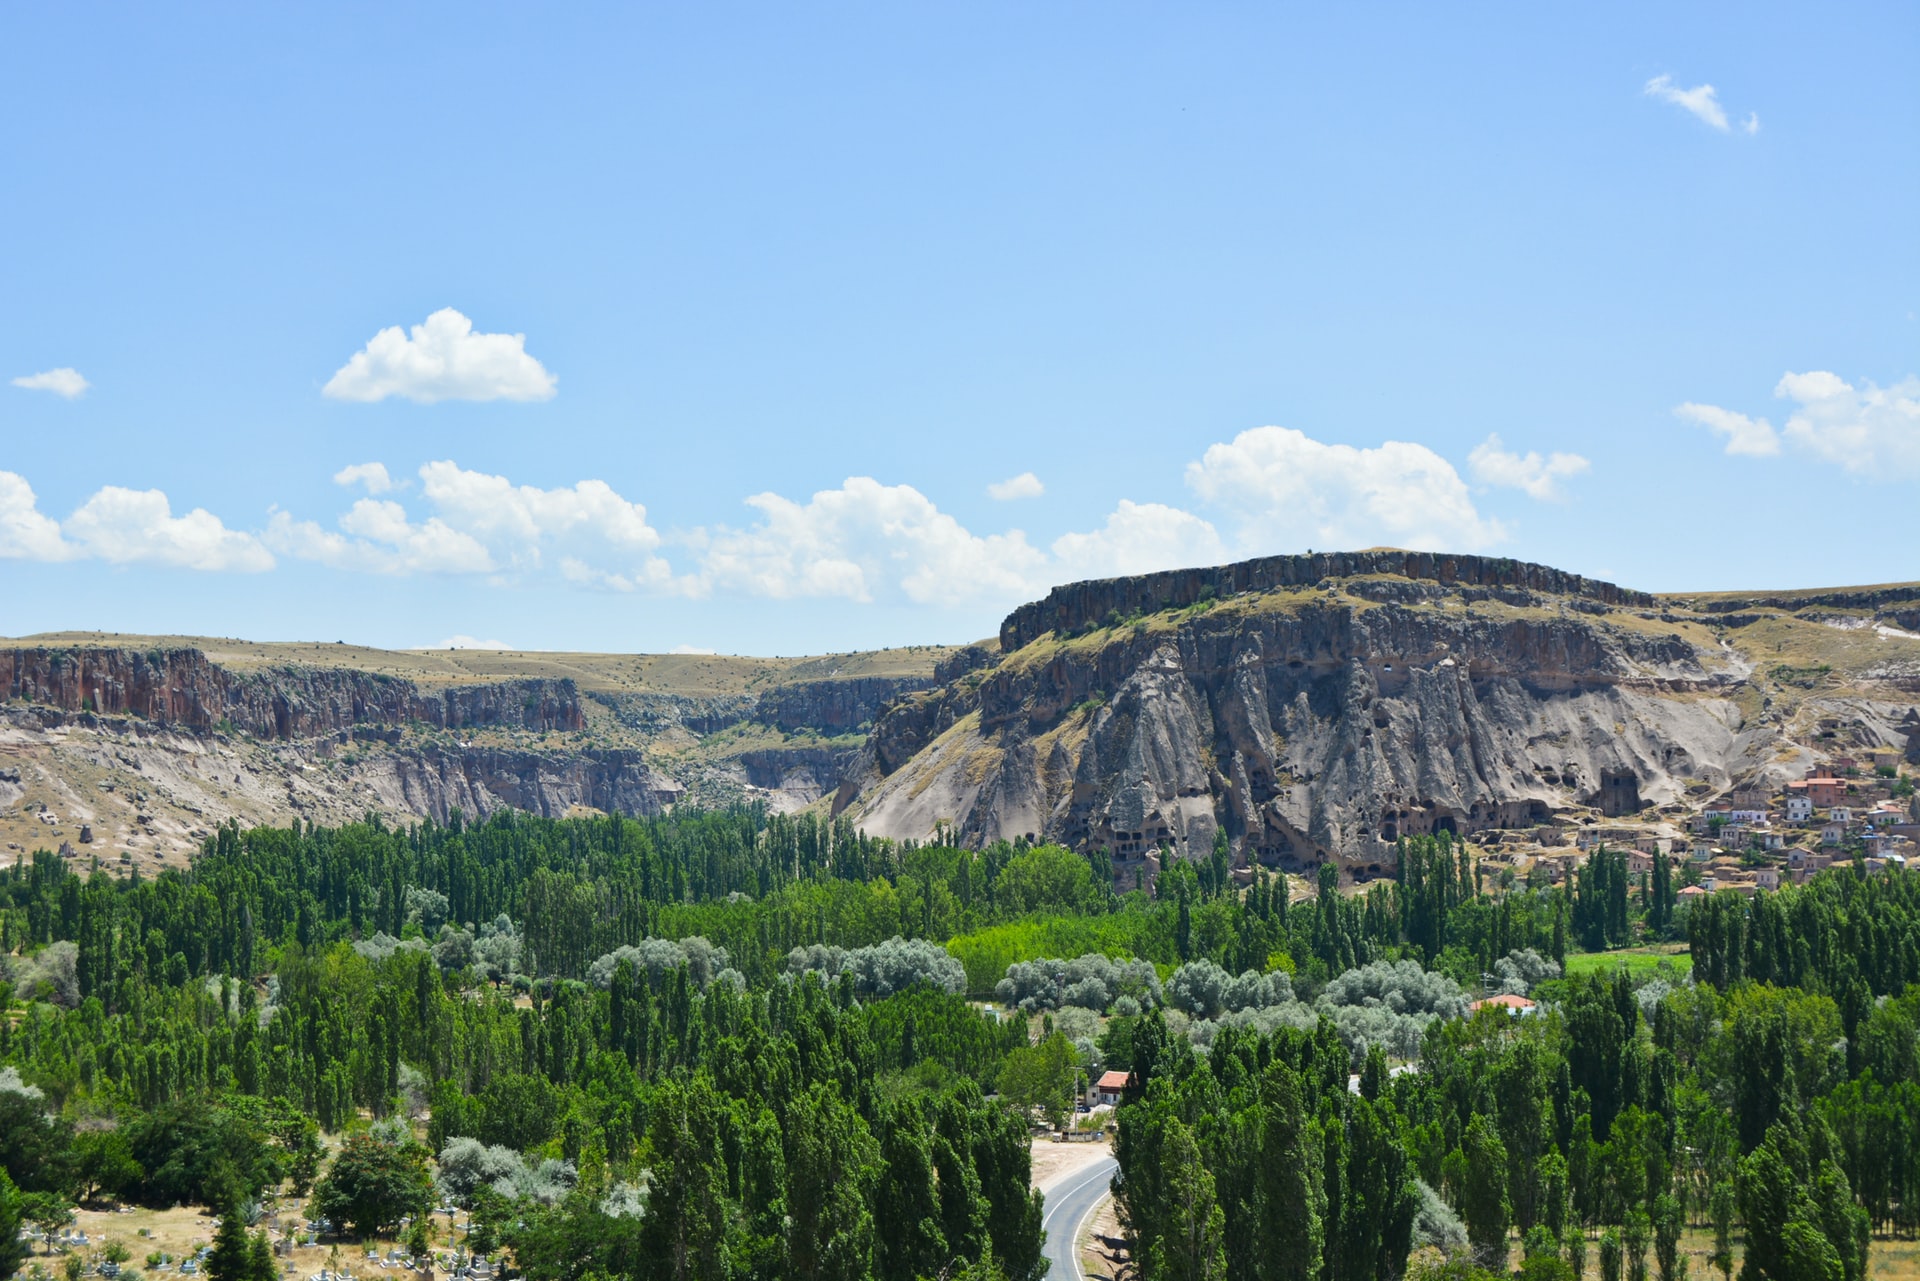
x=183, y=687
x=1080, y=605
x=1878, y=598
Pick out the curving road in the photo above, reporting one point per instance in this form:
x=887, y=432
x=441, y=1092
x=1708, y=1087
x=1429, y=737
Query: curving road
x=1069, y=1201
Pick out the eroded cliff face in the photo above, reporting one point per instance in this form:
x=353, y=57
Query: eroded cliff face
x=477, y=781
x=1322, y=722
x=183, y=687
x=1312, y=707
x=147, y=748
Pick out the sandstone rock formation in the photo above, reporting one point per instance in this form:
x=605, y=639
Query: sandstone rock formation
x=1319, y=707
x=183, y=687
x=1310, y=707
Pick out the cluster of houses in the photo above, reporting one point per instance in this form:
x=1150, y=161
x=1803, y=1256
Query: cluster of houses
x=1759, y=837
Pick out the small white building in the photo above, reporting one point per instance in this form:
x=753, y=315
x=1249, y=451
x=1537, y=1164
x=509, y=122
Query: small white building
x=1112, y=1087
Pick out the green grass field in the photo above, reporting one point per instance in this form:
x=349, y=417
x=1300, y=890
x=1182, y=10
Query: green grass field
x=1643, y=962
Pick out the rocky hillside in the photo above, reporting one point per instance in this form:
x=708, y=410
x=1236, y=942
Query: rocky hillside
x=1311, y=707
x=139, y=746
x=183, y=687
x=1317, y=707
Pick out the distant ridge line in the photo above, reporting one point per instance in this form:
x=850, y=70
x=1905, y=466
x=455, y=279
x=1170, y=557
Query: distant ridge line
x=1076, y=605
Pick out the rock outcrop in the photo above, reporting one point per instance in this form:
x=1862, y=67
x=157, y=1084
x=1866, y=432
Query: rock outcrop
x=840, y=706
x=478, y=781
x=1310, y=707
x=183, y=687
x=1318, y=707
x=1076, y=607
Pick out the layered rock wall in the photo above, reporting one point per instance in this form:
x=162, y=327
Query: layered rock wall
x=478, y=781
x=183, y=687
x=1314, y=730
x=841, y=705
x=1078, y=606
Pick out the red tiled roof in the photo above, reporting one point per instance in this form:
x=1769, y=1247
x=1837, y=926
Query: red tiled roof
x=1507, y=999
x=1115, y=1080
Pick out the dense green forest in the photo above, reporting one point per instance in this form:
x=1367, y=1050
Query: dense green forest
x=733, y=1044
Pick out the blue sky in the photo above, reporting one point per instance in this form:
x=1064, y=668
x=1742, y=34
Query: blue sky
x=795, y=286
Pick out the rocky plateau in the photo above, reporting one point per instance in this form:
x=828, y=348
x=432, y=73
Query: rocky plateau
x=1310, y=707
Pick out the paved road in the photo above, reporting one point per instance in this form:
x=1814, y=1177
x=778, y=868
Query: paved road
x=1069, y=1201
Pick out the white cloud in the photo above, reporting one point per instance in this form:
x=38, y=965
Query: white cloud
x=1867, y=430
x=25, y=533
x=1699, y=101
x=376, y=537
x=137, y=526
x=443, y=360
x=464, y=641
x=485, y=524
x=63, y=382
x=691, y=649
x=1288, y=490
x=1138, y=538
x=372, y=475
x=1746, y=437
x=1272, y=488
x=1025, y=485
x=1537, y=477
x=1751, y=125
x=523, y=517
x=866, y=541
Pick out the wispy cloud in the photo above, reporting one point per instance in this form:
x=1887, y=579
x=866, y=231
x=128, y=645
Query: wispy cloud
x=373, y=476
x=1746, y=437
x=1536, y=476
x=63, y=382
x=1025, y=485
x=443, y=359
x=1702, y=102
x=1868, y=430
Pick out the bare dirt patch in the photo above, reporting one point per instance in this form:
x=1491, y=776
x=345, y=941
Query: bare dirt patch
x=1103, y=1251
x=1055, y=1161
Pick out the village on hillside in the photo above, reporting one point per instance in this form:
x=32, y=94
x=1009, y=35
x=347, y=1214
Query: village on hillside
x=1847, y=807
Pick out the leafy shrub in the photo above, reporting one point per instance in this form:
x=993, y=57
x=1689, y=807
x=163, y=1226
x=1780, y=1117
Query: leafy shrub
x=656, y=957
x=1091, y=981
x=1204, y=990
x=883, y=969
x=382, y=945
x=1519, y=971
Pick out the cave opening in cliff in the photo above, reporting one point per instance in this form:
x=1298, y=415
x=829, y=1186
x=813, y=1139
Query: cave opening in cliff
x=1619, y=793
